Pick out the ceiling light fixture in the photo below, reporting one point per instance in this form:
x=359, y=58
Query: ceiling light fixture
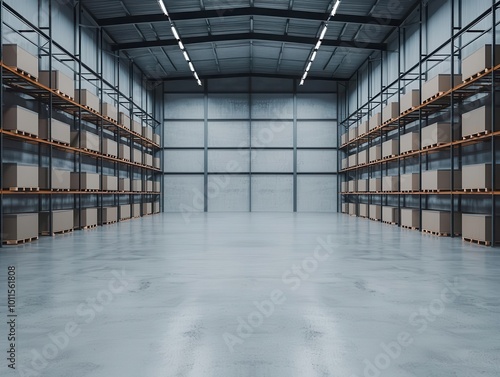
x=181, y=45
x=314, y=53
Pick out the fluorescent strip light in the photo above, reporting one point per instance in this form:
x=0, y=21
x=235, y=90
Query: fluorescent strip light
x=163, y=8
x=305, y=75
x=181, y=45
x=174, y=32
x=308, y=68
x=196, y=76
x=335, y=7
x=186, y=56
x=323, y=33
x=199, y=82
x=318, y=45
x=302, y=82
x=191, y=67
x=314, y=55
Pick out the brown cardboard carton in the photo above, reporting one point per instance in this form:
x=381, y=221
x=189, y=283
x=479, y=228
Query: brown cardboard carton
x=136, y=210
x=479, y=61
x=20, y=176
x=157, y=163
x=15, y=57
x=109, y=147
x=479, y=121
x=156, y=207
x=437, y=133
x=345, y=163
x=61, y=221
x=353, y=133
x=137, y=156
x=124, y=152
x=17, y=118
x=124, y=184
x=410, y=182
x=364, y=210
x=156, y=187
x=410, y=100
x=109, y=183
x=137, y=127
x=109, y=111
x=88, y=141
x=375, y=121
x=390, y=184
x=478, y=177
x=390, y=112
x=60, y=82
x=440, y=180
x=375, y=212
x=410, y=218
x=137, y=185
x=390, y=215
x=88, y=181
x=108, y=215
x=478, y=227
x=85, y=98
x=363, y=185
x=344, y=187
x=390, y=148
x=375, y=185
x=149, y=186
x=61, y=132
x=353, y=160
x=148, y=159
x=20, y=227
x=156, y=139
x=375, y=153
x=147, y=132
x=410, y=142
x=345, y=208
x=125, y=212
x=439, y=84
x=363, y=128
x=125, y=121
x=353, y=186
x=61, y=179
x=89, y=218
x=344, y=138
x=363, y=157
x=147, y=208
x=353, y=209
x=440, y=222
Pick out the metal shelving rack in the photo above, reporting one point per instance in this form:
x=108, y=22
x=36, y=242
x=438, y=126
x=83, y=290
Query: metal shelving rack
x=487, y=83
x=21, y=84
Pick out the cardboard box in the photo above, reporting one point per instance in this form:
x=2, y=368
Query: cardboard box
x=440, y=222
x=478, y=227
x=410, y=218
x=148, y=159
x=344, y=187
x=479, y=177
x=353, y=133
x=137, y=185
x=20, y=176
x=85, y=98
x=88, y=181
x=390, y=215
x=156, y=187
x=137, y=156
x=109, y=183
x=363, y=185
x=17, y=118
x=147, y=208
x=345, y=208
x=436, y=134
x=363, y=128
x=364, y=210
x=20, y=227
x=353, y=186
x=410, y=142
x=89, y=217
x=410, y=100
x=390, y=148
x=439, y=84
x=124, y=152
x=109, y=147
x=60, y=82
x=353, y=160
x=136, y=210
x=353, y=209
x=157, y=163
x=61, y=221
x=109, y=111
x=137, y=127
x=390, y=112
x=61, y=179
x=479, y=121
x=61, y=132
x=363, y=157
x=124, y=184
x=88, y=141
x=344, y=138
x=156, y=207
x=479, y=60
x=390, y=184
x=344, y=163
x=125, y=121
x=375, y=153
x=156, y=139
x=108, y=215
x=375, y=121
x=16, y=57
x=410, y=182
x=375, y=185
x=440, y=180
x=375, y=212
x=125, y=212
x=147, y=132
x=149, y=186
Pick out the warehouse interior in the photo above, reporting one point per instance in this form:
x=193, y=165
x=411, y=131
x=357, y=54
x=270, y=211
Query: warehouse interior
x=249, y=188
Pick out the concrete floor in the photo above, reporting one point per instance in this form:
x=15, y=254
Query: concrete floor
x=377, y=300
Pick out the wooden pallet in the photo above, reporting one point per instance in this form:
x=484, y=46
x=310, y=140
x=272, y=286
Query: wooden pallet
x=436, y=233
x=109, y=222
x=24, y=189
x=378, y=220
x=433, y=97
x=477, y=242
x=19, y=242
x=408, y=111
x=389, y=157
x=390, y=223
x=409, y=227
x=18, y=132
x=61, y=143
x=89, y=190
x=433, y=145
x=90, y=109
x=24, y=73
x=64, y=95
x=88, y=227
x=478, y=134
x=476, y=75
x=61, y=190
x=407, y=152
x=436, y=191
x=110, y=155
x=57, y=233
x=477, y=190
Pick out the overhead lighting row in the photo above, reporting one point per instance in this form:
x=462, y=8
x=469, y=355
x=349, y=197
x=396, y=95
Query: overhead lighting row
x=313, y=55
x=179, y=42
